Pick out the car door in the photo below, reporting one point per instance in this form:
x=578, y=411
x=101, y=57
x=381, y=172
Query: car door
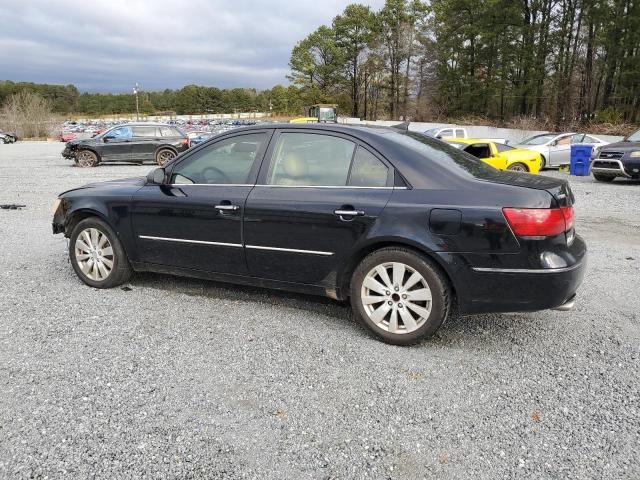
x=144, y=142
x=195, y=220
x=116, y=145
x=315, y=200
x=560, y=151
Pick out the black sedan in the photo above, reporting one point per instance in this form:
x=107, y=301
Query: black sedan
x=132, y=142
x=404, y=225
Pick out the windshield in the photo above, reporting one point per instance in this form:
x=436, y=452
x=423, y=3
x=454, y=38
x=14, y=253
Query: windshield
x=444, y=153
x=634, y=137
x=327, y=114
x=538, y=139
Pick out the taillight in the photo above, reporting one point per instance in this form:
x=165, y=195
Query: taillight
x=539, y=222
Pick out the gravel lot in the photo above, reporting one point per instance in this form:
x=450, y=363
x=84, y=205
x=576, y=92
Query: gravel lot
x=179, y=378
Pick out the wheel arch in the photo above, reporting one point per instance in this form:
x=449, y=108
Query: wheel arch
x=80, y=214
x=90, y=148
x=165, y=147
x=344, y=276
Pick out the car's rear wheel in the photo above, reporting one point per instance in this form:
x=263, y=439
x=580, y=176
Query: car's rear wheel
x=399, y=295
x=164, y=155
x=604, y=178
x=97, y=255
x=518, y=167
x=86, y=158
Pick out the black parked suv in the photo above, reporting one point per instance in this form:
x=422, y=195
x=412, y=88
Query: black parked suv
x=621, y=159
x=132, y=142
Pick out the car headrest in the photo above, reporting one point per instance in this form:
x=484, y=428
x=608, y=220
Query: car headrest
x=294, y=165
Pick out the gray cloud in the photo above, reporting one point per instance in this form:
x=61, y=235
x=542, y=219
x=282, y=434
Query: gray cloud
x=108, y=46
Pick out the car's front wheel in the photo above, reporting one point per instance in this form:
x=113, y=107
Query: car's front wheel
x=97, y=255
x=518, y=167
x=86, y=158
x=399, y=295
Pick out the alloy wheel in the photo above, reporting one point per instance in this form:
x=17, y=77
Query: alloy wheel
x=517, y=167
x=86, y=158
x=396, y=297
x=94, y=254
x=164, y=156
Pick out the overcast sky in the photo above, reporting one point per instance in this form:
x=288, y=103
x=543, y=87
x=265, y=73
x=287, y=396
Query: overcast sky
x=107, y=46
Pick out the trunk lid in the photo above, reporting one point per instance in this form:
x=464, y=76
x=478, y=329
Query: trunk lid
x=559, y=189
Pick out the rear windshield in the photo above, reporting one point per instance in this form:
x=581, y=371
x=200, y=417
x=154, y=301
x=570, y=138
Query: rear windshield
x=443, y=153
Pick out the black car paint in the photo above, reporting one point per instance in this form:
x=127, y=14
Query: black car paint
x=490, y=269
x=136, y=149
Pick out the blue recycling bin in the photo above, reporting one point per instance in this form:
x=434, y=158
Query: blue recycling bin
x=580, y=160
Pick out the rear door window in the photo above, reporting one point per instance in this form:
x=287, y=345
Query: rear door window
x=145, y=132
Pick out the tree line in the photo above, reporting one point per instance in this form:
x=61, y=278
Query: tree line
x=191, y=99
x=561, y=61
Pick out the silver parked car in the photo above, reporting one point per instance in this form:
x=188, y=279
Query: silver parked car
x=555, y=148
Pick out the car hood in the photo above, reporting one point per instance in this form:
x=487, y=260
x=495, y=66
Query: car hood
x=520, y=146
x=113, y=185
x=621, y=146
x=84, y=141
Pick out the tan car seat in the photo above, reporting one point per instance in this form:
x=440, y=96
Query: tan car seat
x=295, y=170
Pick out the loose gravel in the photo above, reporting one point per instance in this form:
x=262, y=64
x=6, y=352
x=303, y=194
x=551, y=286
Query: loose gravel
x=180, y=378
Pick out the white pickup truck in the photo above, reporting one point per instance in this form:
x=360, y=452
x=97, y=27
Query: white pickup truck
x=457, y=132
x=443, y=132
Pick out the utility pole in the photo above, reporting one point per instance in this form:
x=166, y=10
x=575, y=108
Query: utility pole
x=135, y=92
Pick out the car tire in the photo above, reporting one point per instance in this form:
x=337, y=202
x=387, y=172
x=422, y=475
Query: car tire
x=164, y=155
x=604, y=178
x=543, y=162
x=518, y=167
x=97, y=255
x=382, y=287
x=86, y=159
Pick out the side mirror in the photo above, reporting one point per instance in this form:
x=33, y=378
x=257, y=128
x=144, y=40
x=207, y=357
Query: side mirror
x=107, y=138
x=438, y=136
x=554, y=143
x=156, y=176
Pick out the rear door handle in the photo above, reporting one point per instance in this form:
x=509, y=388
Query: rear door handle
x=349, y=213
x=231, y=208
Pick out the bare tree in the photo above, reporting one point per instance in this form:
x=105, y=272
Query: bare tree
x=28, y=114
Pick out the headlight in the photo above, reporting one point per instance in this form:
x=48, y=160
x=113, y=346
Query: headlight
x=55, y=205
x=635, y=154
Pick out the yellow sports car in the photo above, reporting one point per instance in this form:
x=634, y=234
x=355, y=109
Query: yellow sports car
x=499, y=155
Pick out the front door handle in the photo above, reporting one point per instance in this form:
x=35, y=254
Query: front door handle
x=231, y=208
x=349, y=213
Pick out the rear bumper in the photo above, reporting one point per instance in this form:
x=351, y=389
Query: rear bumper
x=520, y=290
x=507, y=288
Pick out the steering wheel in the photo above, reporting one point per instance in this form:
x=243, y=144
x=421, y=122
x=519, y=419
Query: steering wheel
x=215, y=175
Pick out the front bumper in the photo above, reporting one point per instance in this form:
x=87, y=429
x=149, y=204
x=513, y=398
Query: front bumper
x=68, y=153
